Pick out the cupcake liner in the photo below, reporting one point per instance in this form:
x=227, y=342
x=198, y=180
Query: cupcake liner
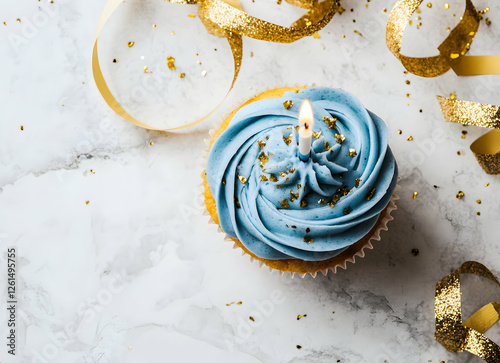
x=359, y=249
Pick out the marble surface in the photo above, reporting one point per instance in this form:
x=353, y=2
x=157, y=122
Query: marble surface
x=137, y=274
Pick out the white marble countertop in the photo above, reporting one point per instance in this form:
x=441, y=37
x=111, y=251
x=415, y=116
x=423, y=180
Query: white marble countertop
x=137, y=274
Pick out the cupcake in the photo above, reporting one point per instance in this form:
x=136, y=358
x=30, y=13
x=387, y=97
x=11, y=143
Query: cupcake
x=295, y=215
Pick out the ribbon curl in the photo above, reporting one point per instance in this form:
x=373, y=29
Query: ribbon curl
x=456, y=335
x=224, y=18
x=452, y=55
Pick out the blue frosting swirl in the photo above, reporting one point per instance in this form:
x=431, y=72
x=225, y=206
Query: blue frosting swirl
x=280, y=207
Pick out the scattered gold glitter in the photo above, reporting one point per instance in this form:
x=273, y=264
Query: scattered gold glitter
x=198, y=61
x=284, y=203
x=287, y=139
x=299, y=186
x=292, y=170
x=408, y=81
x=114, y=60
x=410, y=22
x=308, y=23
x=429, y=5
x=347, y=211
x=204, y=73
x=453, y=94
x=299, y=346
x=478, y=213
x=288, y=104
x=18, y=20
x=240, y=302
x=299, y=317
x=384, y=10
x=273, y=178
x=352, y=152
x=372, y=192
x=408, y=95
x=410, y=138
x=261, y=144
x=251, y=54
x=331, y=122
x=282, y=174
x=87, y=202
x=306, y=239
x=487, y=184
x=459, y=153
x=130, y=44
x=418, y=10
x=279, y=186
x=154, y=25
x=357, y=183
x=22, y=127
x=478, y=201
x=343, y=35
x=316, y=36
x=448, y=29
x=145, y=69
x=92, y=171
x=340, y=138
x=297, y=128
x=251, y=318
x=303, y=203
x=460, y=194
x=316, y=135
x=400, y=132
x=182, y=75
x=327, y=146
x=415, y=252
x=464, y=133
x=279, y=2
x=321, y=201
x=293, y=195
x=415, y=195
x=357, y=32
x=170, y=62
x=191, y=15
x=173, y=33
x=446, y=6
x=223, y=181
x=263, y=178
x=436, y=186
x=488, y=22
x=242, y=179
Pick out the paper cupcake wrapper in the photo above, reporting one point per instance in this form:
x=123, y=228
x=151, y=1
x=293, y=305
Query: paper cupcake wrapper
x=381, y=225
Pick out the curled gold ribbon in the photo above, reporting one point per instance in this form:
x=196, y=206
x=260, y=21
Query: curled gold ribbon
x=452, y=55
x=457, y=335
x=224, y=18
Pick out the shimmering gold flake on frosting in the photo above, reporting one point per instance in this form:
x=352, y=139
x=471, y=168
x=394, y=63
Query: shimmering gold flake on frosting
x=352, y=152
x=273, y=178
x=343, y=191
x=478, y=201
x=287, y=139
x=410, y=138
x=357, y=183
x=288, y=104
x=487, y=184
x=261, y=144
x=321, y=201
x=307, y=239
x=316, y=135
x=415, y=195
x=303, y=203
x=460, y=194
x=293, y=195
x=171, y=62
x=284, y=203
x=299, y=186
x=340, y=138
x=263, y=158
x=282, y=174
x=327, y=146
x=292, y=170
x=347, y=211
x=130, y=44
x=242, y=179
x=263, y=178
x=372, y=192
x=331, y=122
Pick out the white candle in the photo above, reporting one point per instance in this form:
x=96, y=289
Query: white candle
x=306, y=122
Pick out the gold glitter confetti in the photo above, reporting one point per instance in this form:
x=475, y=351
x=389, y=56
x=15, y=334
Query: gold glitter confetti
x=192, y=15
x=251, y=318
x=299, y=346
x=204, y=73
x=173, y=33
x=331, y=122
x=464, y=133
x=340, y=138
x=400, y=132
x=357, y=183
x=487, y=184
x=415, y=195
x=292, y=170
x=327, y=146
x=408, y=95
x=488, y=22
x=182, y=75
x=358, y=32
x=478, y=201
x=151, y=143
x=429, y=5
x=352, y=152
x=410, y=138
x=261, y=144
x=460, y=194
x=316, y=36
x=459, y=153
x=303, y=203
x=282, y=174
x=347, y=211
x=263, y=178
x=478, y=213
x=18, y=20
x=316, y=135
x=242, y=179
x=446, y=6
x=372, y=192
x=384, y=10
x=92, y=171
x=436, y=187
x=415, y=252
x=114, y=60
x=288, y=104
x=453, y=94
x=171, y=62
x=130, y=44
x=284, y=203
x=307, y=239
x=154, y=25
x=87, y=202
x=299, y=186
x=287, y=139
x=273, y=178
x=251, y=54
x=321, y=202
x=22, y=127
x=145, y=69
x=279, y=2
x=293, y=195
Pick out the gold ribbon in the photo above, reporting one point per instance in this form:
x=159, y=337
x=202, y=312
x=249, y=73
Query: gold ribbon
x=222, y=19
x=452, y=55
x=456, y=335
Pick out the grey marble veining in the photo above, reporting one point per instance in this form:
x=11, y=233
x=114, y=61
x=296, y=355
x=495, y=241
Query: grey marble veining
x=138, y=274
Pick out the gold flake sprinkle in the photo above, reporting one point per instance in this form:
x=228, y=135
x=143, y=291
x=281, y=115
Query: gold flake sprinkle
x=114, y=60
x=92, y=171
x=87, y=202
x=151, y=143
x=287, y=139
x=446, y=6
x=400, y=132
x=327, y=146
x=372, y=192
x=263, y=178
x=18, y=20
x=22, y=127
x=191, y=15
x=306, y=239
x=321, y=201
x=273, y=178
x=242, y=179
x=299, y=346
x=251, y=318
x=292, y=170
x=173, y=33
x=415, y=195
x=352, y=152
x=223, y=181
x=316, y=135
x=282, y=174
x=347, y=211
x=415, y=252
x=384, y=10
x=204, y=73
x=288, y=104
x=464, y=133
x=130, y=44
x=299, y=186
x=261, y=144
x=331, y=122
x=487, y=184
x=408, y=81
x=284, y=203
x=198, y=61
x=316, y=36
x=460, y=194
x=453, y=94
x=279, y=2
x=357, y=183
x=429, y=5
x=436, y=187
x=308, y=23
x=251, y=54
x=170, y=62
x=478, y=201
x=410, y=138
x=145, y=69
x=408, y=95
x=478, y=213
x=263, y=158
x=358, y=32
x=459, y=153
x=182, y=75
x=303, y=203
x=154, y=25
x=293, y=195
x=340, y=138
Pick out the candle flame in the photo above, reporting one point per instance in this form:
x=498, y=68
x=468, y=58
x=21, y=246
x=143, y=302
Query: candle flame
x=306, y=114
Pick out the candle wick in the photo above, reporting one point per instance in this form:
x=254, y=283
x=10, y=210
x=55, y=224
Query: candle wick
x=306, y=125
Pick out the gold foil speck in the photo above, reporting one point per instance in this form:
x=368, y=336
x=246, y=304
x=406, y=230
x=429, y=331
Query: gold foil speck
x=370, y=195
x=284, y=203
x=415, y=195
x=460, y=194
x=293, y=195
x=273, y=178
x=182, y=75
x=347, y=211
x=352, y=152
x=287, y=139
x=340, y=138
x=288, y=104
x=130, y=44
x=410, y=138
x=303, y=203
x=263, y=178
x=261, y=144
x=327, y=146
x=321, y=201
x=331, y=122
x=316, y=135
x=242, y=179
x=306, y=239
x=357, y=183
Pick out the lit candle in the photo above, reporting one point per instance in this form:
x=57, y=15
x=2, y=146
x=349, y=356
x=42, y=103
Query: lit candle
x=306, y=122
